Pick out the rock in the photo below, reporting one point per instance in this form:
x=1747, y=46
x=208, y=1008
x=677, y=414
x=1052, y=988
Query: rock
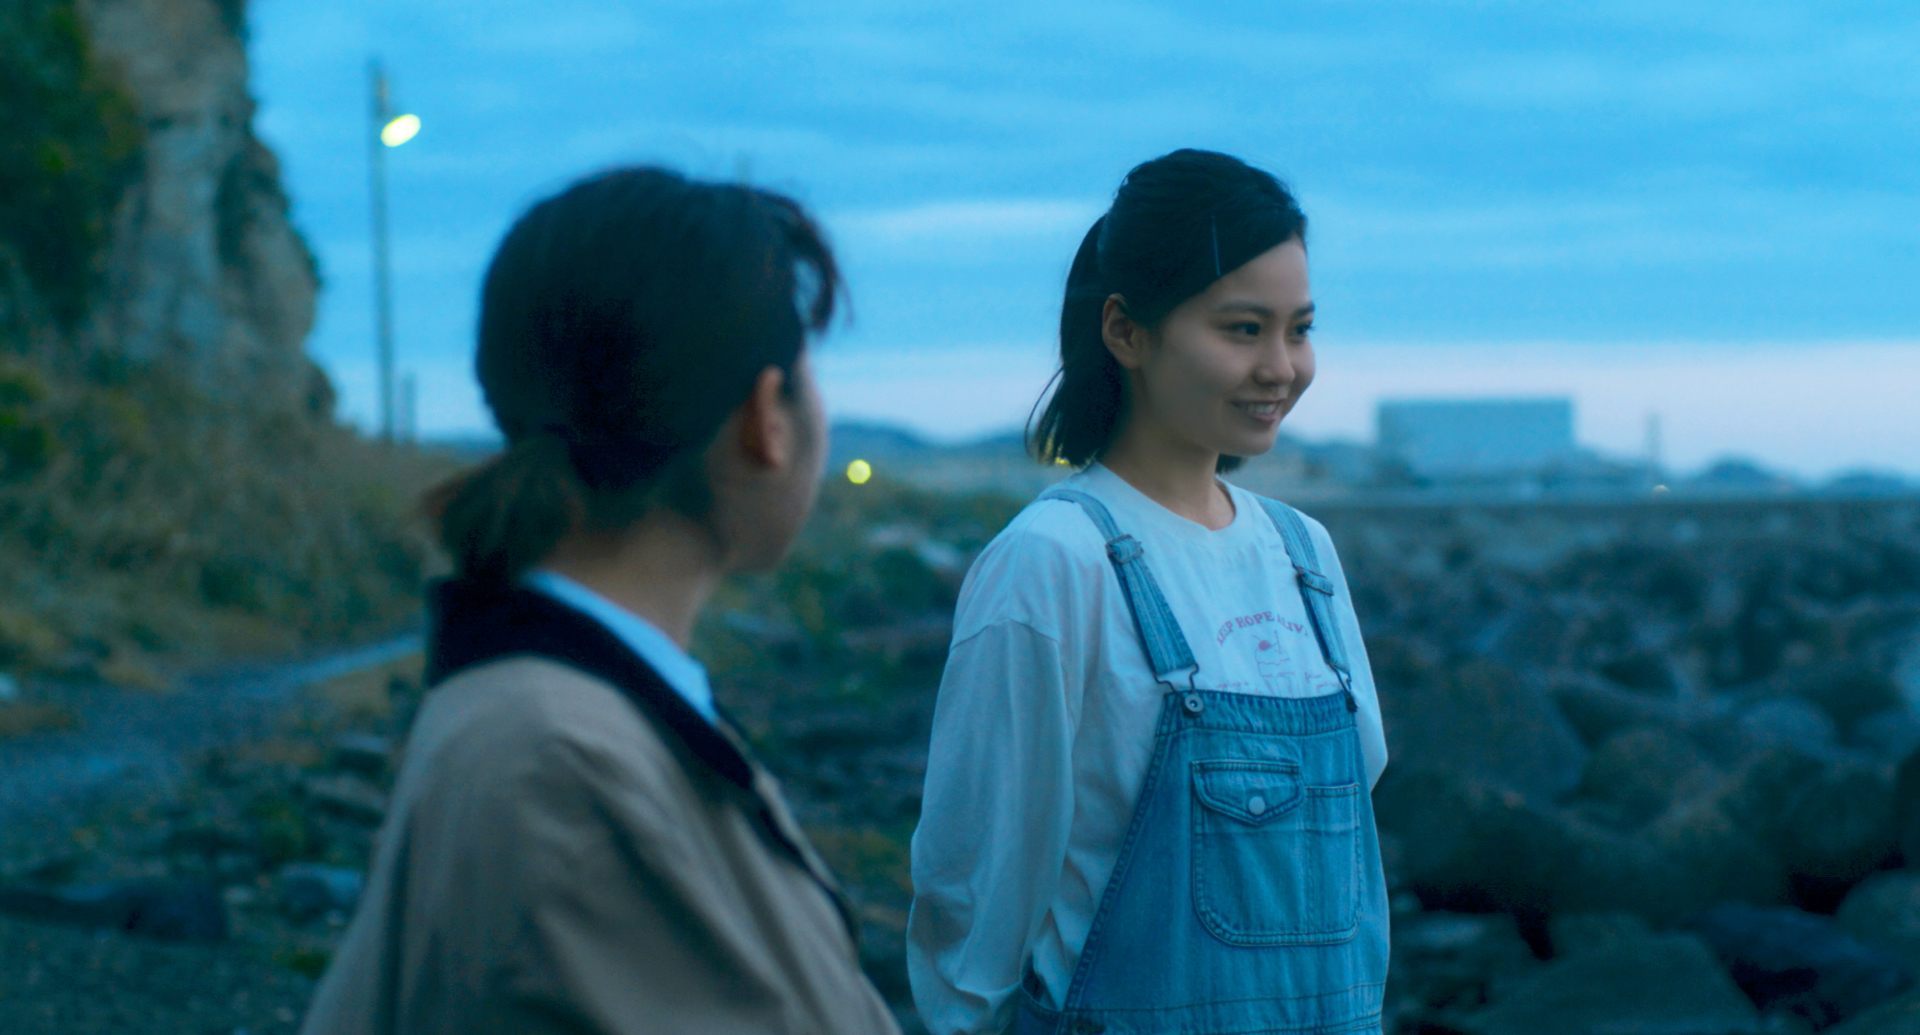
x=1483, y=722
x=1784, y=821
x=205, y=271
x=1708, y=855
x=1391, y=854
x=1669, y=984
x=1637, y=774
x=1906, y=807
x=364, y=753
x=1899, y=1016
x=1829, y=822
x=1535, y=633
x=309, y=890
x=925, y=638
x=1471, y=845
x=840, y=729
x=1645, y=671
x=163, y=910
x=1578, y=934
x=1890, y=735
x=1787, y=722
x=348, y=796
x=1847, y=689
x=1453, y=960
x=1884, y=911
x=1799, y=963
x=1596, y=709
x=764, y=632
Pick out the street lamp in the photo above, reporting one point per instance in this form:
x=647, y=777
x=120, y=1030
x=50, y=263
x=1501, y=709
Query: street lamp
x=389, y=130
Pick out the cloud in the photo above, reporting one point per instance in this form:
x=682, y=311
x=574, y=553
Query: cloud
x=1509, y=171
x=948, y=393
x=1697, y=223
x=965, y=223
x=595, y=31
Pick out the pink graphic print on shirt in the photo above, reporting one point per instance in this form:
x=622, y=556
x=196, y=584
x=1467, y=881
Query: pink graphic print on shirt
x=1266, y=636
x=1276, y=666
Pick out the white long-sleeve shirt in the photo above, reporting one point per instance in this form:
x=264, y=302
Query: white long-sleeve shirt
x=1045, y=721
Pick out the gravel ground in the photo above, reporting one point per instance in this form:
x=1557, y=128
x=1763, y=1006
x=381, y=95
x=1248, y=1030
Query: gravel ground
x=182, y=785
x=78, y=982
x=228, y=779
x=130, y=744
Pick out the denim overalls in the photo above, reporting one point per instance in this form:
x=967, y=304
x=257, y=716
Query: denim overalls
x=1248, y=895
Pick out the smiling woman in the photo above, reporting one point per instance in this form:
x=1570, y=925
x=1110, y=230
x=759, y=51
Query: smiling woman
x=1145, y=805
x=1158, y=250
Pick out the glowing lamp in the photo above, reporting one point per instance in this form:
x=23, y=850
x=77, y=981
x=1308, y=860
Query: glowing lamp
x=400, y=130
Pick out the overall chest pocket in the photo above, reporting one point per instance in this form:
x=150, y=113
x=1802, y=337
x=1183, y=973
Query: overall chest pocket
x=1275, y=861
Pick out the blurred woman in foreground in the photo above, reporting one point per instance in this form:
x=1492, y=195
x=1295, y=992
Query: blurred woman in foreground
x=578, y=841
x=1147, y=801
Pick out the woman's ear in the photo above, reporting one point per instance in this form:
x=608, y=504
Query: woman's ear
x=768, y=436
x=1124, y=336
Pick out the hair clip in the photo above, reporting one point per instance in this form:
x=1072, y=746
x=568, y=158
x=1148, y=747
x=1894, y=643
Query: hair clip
x=1213, y=231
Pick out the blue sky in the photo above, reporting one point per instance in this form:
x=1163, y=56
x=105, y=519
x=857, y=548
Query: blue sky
x=1711, y=212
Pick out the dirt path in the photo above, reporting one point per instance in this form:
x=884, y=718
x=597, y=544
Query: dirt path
x=131, y=743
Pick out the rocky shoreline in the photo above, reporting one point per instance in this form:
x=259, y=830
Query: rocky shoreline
x=1640, y=783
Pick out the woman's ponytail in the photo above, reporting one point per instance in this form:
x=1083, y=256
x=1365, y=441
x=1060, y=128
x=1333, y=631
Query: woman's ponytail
x=500, y=519
x=1083, y=414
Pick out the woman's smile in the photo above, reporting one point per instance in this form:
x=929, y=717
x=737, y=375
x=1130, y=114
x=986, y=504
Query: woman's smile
x=1264, y=412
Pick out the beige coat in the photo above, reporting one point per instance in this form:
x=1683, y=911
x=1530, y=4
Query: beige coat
x=555, y=862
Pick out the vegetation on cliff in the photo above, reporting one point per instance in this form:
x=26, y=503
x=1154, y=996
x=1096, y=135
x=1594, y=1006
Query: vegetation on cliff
x=140, y=516
x=146, y=509
x=70, y=145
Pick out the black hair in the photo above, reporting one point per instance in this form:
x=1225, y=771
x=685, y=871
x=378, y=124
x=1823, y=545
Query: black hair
x=622, y=322
x=1177, y=224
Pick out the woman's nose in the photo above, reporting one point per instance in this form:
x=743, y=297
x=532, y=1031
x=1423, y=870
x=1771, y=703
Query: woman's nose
x=1275, y=366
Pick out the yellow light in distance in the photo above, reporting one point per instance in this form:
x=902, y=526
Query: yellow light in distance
x=859, y=471
x=400, y=130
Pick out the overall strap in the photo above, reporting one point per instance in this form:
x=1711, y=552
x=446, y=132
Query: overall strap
x=1167, y=648
x=1316, y=590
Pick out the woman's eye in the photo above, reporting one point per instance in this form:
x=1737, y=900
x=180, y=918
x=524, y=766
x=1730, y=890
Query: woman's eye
x=1251, y=330
x=1303, y=330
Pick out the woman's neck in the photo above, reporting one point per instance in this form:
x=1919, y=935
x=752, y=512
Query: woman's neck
x=1175, y=476
x=663, y=569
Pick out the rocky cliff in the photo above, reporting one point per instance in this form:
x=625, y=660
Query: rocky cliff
x=169, y=465
x=146, y=225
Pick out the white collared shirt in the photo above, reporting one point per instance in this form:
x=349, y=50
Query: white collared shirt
x=687, y=677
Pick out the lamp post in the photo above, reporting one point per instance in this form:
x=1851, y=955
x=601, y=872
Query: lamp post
x=388, y=131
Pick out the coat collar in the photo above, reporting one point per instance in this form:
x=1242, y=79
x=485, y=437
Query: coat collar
x=471, y=623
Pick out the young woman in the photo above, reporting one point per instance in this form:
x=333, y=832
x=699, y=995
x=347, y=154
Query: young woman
x=578, y=841
x=1147, y=803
